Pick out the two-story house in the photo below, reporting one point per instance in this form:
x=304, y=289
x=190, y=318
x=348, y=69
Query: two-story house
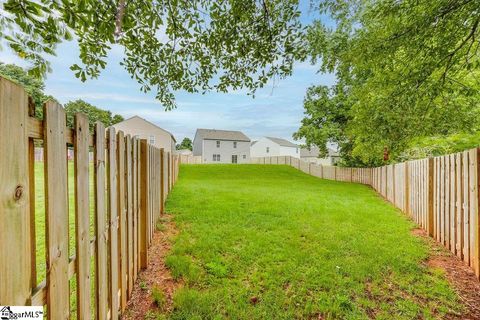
x=312, y=155
x=271, y=147
x=221, y=146
x=144, y=129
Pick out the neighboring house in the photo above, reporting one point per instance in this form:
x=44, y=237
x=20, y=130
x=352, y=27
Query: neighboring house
x=221, y=146
x=271, y=147
x=185, y=152
x=311, y=155
x=143, y=129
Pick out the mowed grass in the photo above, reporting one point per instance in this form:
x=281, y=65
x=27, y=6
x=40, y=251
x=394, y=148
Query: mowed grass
x=270, y=242
x=40, y=228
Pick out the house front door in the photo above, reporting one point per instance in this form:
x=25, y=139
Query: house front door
x=234, y=158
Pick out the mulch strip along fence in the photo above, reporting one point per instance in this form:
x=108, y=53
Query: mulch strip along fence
x=131, y=181
x=440, y=194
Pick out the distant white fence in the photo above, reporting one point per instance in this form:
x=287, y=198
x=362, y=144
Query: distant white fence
x=189, y=159
x=358, y=175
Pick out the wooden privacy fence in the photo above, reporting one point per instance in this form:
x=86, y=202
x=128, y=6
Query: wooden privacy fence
x=440, y=194
x=131, y=180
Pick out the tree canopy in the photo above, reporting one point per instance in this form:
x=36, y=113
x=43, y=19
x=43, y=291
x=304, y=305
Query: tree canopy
x=191, y=45
x=405, y=70
x=93, y=113
x=185, y=144
x=35, y=86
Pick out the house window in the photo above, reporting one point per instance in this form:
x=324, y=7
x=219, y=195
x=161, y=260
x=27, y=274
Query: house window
x=235, y=144
x=268, y=149
x=152, y=139
x=216, y=157
x=218, y=144
x=234, y=158
x=244, y=156
x=296, y=150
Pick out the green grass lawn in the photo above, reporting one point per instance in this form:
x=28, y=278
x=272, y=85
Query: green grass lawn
x=270, y=242
x=40, y=227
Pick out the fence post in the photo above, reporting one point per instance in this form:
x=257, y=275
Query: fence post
x=143, y=240
x=430, y=197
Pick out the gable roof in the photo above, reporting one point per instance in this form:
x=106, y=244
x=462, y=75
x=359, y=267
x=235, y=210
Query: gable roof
x=213, y=134
x=282, y=142
x=150, y=123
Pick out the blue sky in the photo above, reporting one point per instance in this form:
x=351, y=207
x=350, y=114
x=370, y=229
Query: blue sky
x=275, y=111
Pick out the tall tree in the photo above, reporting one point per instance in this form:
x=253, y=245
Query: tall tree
x=93, y=113
x=185, y=144
x=191, y=45
x=33, y=86
x=409, y=69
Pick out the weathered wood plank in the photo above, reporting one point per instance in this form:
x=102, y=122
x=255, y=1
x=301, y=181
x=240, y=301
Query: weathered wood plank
x=101, y=230
x=474, y=221
x=135, y=206
x=122, y=229
x=56, y=196
x=143, y=237
x=82, y=215
x=466, y=208
x=129, y=189
x=430, y=206
x=113, y=218
x=162, y=180
x=458, y=206
x=15, y=237
x=453, y=197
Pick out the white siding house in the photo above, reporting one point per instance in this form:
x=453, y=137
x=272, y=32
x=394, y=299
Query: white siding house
x=312, y=155
x=221, y=146
x=137, y=126
x=270, y=147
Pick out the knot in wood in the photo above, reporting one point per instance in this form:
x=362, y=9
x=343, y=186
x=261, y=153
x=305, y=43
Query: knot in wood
x=18, y=192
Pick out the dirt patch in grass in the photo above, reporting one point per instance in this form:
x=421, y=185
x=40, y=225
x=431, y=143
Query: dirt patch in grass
x=460, y=276
x=157, y=275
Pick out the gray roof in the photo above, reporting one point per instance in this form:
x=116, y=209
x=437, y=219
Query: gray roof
x=213, y=134
x=282, y=142
x=313, y=152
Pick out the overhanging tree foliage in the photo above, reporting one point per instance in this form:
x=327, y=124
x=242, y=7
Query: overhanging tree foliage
x=406, y=69
x=191, y=45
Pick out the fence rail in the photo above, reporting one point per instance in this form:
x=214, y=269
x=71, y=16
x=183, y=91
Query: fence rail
x=131, y=180
x=440, y=194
